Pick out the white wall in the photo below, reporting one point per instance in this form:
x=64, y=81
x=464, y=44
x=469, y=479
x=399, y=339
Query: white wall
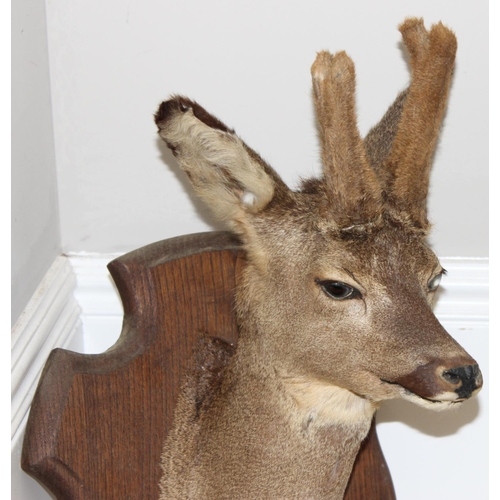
x=248, y=62
x=34, y=211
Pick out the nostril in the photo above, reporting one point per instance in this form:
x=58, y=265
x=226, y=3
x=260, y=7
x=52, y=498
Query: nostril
x=451, y=377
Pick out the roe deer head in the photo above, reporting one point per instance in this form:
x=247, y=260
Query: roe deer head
x=334, y=307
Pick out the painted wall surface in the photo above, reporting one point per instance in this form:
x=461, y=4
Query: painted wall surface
x=247, y=62
x=35, y=217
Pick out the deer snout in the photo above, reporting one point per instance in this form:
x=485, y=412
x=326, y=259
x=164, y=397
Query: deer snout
x=453, y=381
x=467, y=379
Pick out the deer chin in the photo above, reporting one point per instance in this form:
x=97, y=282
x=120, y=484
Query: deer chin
x=441, y=402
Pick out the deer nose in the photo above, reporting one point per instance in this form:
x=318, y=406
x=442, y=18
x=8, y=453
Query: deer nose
x=466, y=379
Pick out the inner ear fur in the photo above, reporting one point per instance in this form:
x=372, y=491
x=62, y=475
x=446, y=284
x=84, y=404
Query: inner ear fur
x=226, y=174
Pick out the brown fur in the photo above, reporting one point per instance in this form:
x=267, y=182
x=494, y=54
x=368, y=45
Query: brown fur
x=341, y=144
x=432, y=55
x=285, y=415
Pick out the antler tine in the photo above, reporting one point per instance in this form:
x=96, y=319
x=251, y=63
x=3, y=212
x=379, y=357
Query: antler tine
x=432, y=56
x=350, y=184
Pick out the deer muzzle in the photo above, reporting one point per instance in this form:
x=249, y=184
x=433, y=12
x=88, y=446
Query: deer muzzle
x=454, y=381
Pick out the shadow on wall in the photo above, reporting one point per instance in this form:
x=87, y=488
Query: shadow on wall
x=427, y=421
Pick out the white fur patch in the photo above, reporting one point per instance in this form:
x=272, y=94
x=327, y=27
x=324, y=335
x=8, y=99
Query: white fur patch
x=444, y=401
x=248, y=198
x=327, y=404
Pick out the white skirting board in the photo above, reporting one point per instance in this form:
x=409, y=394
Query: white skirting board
x=50, y=320
x=77, y=307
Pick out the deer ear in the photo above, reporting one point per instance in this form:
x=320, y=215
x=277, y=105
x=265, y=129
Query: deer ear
x=379, y=140
x=225, y=173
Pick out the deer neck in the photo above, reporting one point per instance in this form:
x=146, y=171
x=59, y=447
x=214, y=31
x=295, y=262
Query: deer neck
x=308, y=402
x=308, y=428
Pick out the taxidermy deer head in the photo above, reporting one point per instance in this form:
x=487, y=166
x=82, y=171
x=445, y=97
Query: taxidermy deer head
x=335, y=304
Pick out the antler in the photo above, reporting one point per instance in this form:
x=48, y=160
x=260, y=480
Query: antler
x=351, y=185
x=407, y=167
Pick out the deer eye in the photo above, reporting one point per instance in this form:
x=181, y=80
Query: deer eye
x=434, y=282
x=338, y=290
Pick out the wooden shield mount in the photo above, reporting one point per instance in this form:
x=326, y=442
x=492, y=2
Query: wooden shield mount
x=98, y=422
